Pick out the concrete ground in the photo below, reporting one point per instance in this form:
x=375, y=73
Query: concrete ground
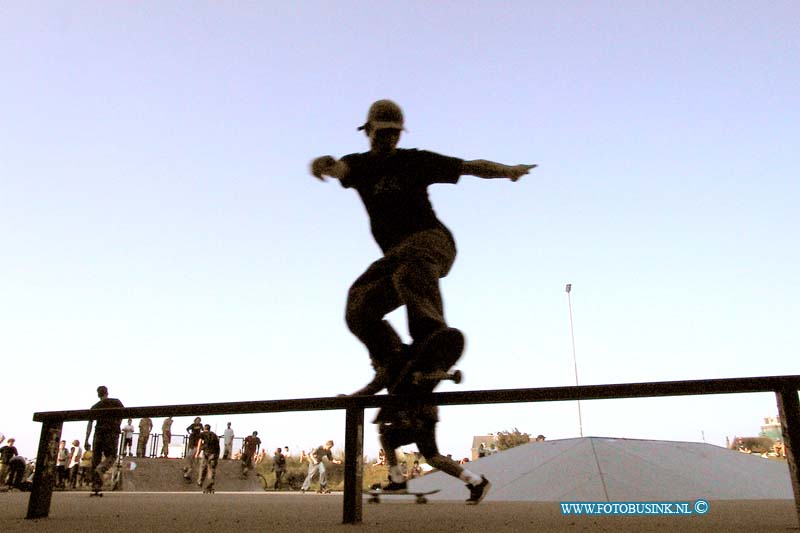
x=293, y=512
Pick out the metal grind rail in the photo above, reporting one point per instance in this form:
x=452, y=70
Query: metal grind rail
x=785, y=389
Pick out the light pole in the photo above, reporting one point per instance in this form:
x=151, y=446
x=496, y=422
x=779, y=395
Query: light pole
x=574, y=359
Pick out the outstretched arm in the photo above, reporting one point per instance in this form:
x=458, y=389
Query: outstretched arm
x=329, y=166
x=88, y=432
x=489, y=169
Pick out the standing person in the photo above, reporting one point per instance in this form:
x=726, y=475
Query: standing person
x=62, y=461
x=227, y=437
x=106, y=438
x=194, y=429
x=316, y=464
x=416, y=470
x=7, y=452
x=75, y=457
x=417, y=424
x=279, y=467
x=417, y=248
x=166, y=436
x=127, y=438
x=84, y=477
x=249, y=449
x=208, y=445
x=145, y=427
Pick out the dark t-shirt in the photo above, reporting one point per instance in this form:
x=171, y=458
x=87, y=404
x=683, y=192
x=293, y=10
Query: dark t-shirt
x=320, y=453
x=6, y=454
x=251, y=444
x=280, y=462
x=108, y=426
x=394, y=189
x=194, y=433
x=210, y=442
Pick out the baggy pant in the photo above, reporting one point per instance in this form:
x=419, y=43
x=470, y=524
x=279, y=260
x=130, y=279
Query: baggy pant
x=407, y=274
x=166, y=437
x=207, y=471
x=104, y=453
x=313, y=469
x=228, y=450
x=141, y=444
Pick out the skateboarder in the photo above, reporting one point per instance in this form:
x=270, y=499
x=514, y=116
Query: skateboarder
x=250, y=448
x=417, y=248
x=208, y=444
x=106, y=438
x=417, y=424
x=316, y=464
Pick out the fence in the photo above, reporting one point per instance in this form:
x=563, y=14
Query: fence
x=785, y=389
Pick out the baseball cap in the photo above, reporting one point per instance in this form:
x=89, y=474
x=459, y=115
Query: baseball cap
x=384, y=114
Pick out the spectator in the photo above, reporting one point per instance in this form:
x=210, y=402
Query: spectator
x=84, y=470
x=227, y=438
x=7, y=452
x=260, y=457
x=145, y=427
x=166, y=436
x=74, y=463
x=127, y=435
x=194, y=429
x=416, y=470
x=381, y=458
x=279, y=467
x=62, y=463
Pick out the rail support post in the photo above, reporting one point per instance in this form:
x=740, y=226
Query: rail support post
x=353, y=465
x=42, y=490
x=789, y=412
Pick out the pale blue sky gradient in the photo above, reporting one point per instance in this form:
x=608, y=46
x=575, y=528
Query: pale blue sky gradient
x=161, y=233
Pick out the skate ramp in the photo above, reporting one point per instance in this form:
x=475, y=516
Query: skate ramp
x=166, y=475
x=609, y=469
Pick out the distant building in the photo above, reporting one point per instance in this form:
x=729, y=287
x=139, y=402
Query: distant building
x=772, y=428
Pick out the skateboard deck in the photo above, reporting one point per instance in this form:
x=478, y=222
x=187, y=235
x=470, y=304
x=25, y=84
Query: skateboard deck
x=431, y=365
x=420, y=496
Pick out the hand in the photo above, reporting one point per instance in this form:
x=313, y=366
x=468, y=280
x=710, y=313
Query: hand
x=517, y=171
x=322, y=165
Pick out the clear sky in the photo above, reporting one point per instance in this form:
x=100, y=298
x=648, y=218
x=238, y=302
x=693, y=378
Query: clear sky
x=160, y=232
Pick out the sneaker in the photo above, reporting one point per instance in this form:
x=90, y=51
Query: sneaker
x=378, y=383
x=385, y=373
x=478, y=492
x=393, y=486
x=445, y=346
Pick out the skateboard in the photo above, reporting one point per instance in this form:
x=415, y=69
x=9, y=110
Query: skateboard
x=208, y=489
x=431, y=365
x=375, y=495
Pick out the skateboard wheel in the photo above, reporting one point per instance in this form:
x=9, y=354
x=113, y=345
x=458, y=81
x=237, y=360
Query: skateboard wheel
x=457, y=376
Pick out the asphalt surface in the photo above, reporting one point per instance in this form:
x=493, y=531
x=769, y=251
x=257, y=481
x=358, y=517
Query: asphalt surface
x=296, y=512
